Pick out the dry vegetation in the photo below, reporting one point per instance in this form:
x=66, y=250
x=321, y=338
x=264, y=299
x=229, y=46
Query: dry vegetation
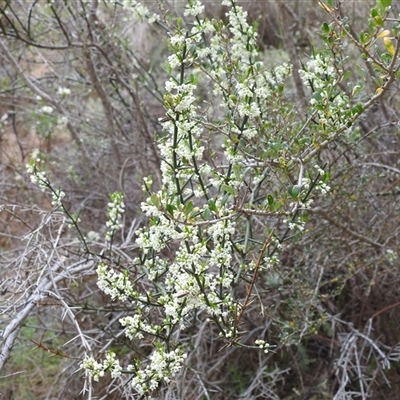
x=331, y=307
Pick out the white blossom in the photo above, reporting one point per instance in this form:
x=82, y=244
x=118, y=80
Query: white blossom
x=194, y=8
x=64, y=91
x=47, y=109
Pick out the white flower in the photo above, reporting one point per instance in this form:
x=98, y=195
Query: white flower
x=319, y=169
x=94, y=368
x=194, y=9
x=63, y=91
x=57, y=197
x=115, y=209
x=262, y=344
x=173, y=61
x=62, y=122
x=391, y=256
x=115, y=284
x=47, y=109
x=97, y=369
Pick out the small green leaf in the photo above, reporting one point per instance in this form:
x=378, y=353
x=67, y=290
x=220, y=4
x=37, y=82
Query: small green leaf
x=233, y=98
x=278, y=205
x=376, y=67
x=386, y=3
x=346, y=75
x=326, y=177
x=170, y=209
x=193, y=79
x=188, y=207
x=258, y=66
x=396, y=28
x=294, y=191
x=317, y=96
x=155, y=200
x=206, y=214
x=211, y=205
x=270, y=201
x=364, y=38
x=357, y=109
x=378, y=20
x=325, y=27
x=374, y=12
x=228, y=189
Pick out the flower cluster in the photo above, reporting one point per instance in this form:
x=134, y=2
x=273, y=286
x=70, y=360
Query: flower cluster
x=262, y=344
x=321, y=185
x=39, y=178
x=321, y=76
x=194, y=8
x=116, y=208
x=317, y=72
x=163, y=365
x=63, y=91
x=139, y=11
x=116, y=284
x=97, y=370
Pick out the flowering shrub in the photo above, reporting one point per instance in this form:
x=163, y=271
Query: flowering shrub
x=240, y=172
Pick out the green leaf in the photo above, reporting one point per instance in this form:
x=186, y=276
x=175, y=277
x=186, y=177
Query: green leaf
x=211, y=205
x=377, y=67
x=294, y=191
x=170, y=209
x=357, y=109
x=326, y=177
x=188, y=207
x=396, y=28
x=386, y=3
x=364, y=37
x=233, y=98
x=317, y=96
x=206, y=214
x=325, y=27
x=270, y=201
x=155, y=200
x=193, y=79
x=378, y=20
x=346, y=75
x=230, y=190
x=330, y=3
x=278, y=205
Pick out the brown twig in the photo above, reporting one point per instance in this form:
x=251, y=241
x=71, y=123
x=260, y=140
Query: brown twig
x=385, y=309
x=54, y=352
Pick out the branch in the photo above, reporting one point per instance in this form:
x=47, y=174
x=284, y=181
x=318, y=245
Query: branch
x=10, y=333
x=345, y=228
